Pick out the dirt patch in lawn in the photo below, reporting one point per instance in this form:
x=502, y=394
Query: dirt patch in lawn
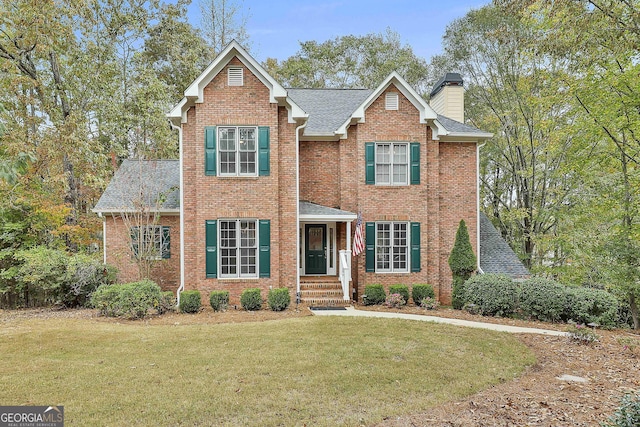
x=609, y=368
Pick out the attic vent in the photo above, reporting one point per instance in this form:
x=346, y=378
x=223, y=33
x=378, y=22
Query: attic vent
x=235, y=76
x=391, y=101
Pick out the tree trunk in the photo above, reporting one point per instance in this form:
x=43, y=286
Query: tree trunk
x=634, y=311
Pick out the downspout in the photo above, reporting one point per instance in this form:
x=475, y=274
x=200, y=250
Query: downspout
x=104, y=238
x=478, y=147
x=302, y=126
x=181, y=287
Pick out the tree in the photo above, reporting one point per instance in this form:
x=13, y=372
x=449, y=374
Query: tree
x=463, y=263
x=351, y=62
x=222, y=23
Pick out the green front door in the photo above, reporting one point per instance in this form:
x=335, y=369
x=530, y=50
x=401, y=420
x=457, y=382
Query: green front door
x=315, y=249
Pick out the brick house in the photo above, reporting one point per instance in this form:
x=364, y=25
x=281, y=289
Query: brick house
x=270, y=182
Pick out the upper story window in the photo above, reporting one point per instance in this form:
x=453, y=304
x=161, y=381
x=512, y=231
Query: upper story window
x=392, y=164
x=235, y=76
x=238, y=151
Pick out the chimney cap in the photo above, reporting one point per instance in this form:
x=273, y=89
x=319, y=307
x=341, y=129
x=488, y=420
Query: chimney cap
x=449, y=79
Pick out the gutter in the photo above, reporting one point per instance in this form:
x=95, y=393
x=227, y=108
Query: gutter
x=302, y=126
x=181, y=287
x=478, y=147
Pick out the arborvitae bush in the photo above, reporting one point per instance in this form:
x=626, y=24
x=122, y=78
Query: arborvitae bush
x=278, y=299
x=587, y=305
x=542, y=299
x=400, y=289
x=219, y=300
x=491, y=294
x=420, y=292
x=130, y=300
x=462, y=262
x=190, y=301
x=250, y=299
x=374, y=294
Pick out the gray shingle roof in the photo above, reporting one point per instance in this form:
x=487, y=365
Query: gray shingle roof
x=309, y=208
x=157, y=182
x=457, y=127
x=328, y=109
x=495, y=254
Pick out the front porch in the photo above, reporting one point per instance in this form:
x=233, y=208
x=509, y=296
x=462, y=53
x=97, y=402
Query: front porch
x=324, y=276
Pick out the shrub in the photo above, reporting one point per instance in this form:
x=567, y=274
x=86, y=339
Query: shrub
x=420, y=292
x=400, y=289
x=395, y=301
x=542, y=299
x=462, y=262
x=219, y=300
x=374, y=294
x=190, y=301
x=587, y=305
x=582, y=334
x=250, y=299
x=491, y=294
x=628, y=413
x=429, y=303
x=457, y=293
x=130, y=300
x=278, y=299
x=166, y=303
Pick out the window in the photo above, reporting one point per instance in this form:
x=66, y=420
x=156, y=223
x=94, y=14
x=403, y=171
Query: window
x=150, y=242
x=235, y=76
x=238, y=248
x=392, y=247
x=238, y=151
x=392, y=164
x=391, y=101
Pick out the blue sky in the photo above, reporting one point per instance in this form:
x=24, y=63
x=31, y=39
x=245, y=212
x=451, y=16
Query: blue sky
x=277, y=26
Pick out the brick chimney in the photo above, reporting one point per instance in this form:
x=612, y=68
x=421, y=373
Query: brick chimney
x=447, y=97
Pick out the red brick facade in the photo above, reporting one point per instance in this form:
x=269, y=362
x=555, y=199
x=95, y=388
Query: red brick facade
x=332, y=174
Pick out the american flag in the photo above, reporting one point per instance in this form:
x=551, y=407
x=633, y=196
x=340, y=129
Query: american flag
x=358, y=239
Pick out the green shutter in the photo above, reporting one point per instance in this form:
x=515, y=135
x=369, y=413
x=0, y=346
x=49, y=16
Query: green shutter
x=370, y=245
x=263, y=150
x=210, y=150
x=415, y=247
x=265, y=247
x=211, y=238
x=166, y=243
x=135, y=236
x=370, y=164
x=415, y=163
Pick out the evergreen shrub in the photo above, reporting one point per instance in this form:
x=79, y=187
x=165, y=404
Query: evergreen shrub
x=219, y=300
x=278, y=299
x=130, y=300
x=190, y=301
x=250, y=299
x=420, y=292
x=374, y=294
x=588, y=305
x=400, y=289
x=542, y=299
x=491, y=294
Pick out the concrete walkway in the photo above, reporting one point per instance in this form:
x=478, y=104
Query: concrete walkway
x=350, y=311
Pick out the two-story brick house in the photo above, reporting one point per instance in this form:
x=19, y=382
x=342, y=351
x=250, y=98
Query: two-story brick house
x=270, y=182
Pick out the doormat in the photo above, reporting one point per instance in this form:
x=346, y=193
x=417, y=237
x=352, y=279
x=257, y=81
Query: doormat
x=327, y=308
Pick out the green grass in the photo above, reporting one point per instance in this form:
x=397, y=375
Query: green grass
x=304, y=371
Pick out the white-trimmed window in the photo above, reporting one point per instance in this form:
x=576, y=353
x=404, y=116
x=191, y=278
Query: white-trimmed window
x=238, y=151
x=150, y=242
x=392, y=247
x=238, y=248
x=392, y=163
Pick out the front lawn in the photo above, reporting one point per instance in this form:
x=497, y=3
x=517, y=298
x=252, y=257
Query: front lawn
x=301, y=371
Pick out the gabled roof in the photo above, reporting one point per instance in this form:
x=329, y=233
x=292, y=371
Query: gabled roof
x=496, y=256
x=194, y=93
x=154, y=182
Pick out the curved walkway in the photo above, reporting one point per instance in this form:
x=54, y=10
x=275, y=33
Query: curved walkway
x=350, y=311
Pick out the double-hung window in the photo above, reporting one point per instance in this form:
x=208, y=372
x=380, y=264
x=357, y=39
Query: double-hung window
x=238, y=248
x=392, y=164
x=392, y=247
x=150, y=242
x=238, y=151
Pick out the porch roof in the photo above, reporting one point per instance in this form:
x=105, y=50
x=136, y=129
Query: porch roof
x=314, y=212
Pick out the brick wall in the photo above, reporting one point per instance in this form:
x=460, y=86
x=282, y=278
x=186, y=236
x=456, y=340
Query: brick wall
x=166, y=272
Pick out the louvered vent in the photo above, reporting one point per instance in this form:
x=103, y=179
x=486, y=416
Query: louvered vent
x=235, y=76
x=391, y=101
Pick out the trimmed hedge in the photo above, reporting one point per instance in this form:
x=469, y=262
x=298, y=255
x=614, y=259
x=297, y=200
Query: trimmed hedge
x=374, y=294
x=250, y=299
x=400, y=289
x=420, y=292
x=587, y=305
x=219, y=300
x=278, y=299
x=542, y=299
x=190, y=301
x=491, y=294
x=130, y=300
